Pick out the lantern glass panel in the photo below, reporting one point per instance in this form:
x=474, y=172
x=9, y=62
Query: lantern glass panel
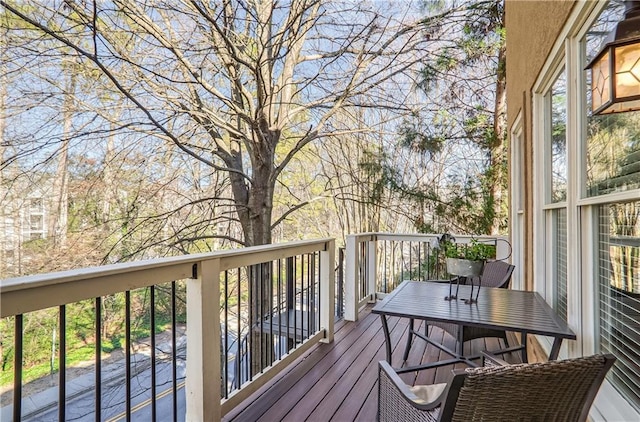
x=601, y=93
x=627, y=67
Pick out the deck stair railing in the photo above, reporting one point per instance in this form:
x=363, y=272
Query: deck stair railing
x=256, y=308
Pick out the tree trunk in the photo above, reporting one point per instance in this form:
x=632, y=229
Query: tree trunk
x=254, y=197
x=59, y=211
x=108, y=176
x=498, y=149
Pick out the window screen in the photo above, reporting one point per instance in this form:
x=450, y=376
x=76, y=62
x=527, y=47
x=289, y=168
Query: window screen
x=560, y=262
x=619, y=294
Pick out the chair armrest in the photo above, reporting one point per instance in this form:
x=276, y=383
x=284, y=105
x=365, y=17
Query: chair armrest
x=387, y=371
x=491, y=360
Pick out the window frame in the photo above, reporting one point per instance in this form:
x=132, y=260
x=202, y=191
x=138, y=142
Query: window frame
x=544, y=223
x=517, y=201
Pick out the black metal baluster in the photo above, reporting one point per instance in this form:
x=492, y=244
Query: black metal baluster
x=310, y=300
x=428, y=253
x=365, y=260
x=340, y=283
x=62, y=364
x=362, y=266
x=307, y=270
x=363, y=270
x=152, y=317
x=303, y=302
x=319, y=293
x=127, y=352
x=17, y=368
x=295, y=302
x=279, y=296
x=174, y=354
x=385, y=272
x=314, y=299
x=249, y=333
x=239, y=357
x=312, y=294
x=261, y=313
x=419, y=260
x=271, y=313
x=393, y=262
x=98, y=334
x=226, y=334
x=290, y=301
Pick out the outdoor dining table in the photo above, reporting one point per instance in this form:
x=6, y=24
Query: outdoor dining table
x=520, y=311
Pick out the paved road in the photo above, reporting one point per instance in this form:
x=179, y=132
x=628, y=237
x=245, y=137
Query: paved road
x=81, y=404
x=82, y=407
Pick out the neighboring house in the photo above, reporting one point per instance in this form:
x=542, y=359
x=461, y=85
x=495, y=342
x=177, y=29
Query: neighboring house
x=575, y=189
x=22, y=219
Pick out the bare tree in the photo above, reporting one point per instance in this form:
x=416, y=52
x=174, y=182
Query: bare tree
x=241, y=87
x=238, y=88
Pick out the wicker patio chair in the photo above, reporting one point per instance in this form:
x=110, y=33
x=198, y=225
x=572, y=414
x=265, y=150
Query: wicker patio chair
x=494, y=274
x=550, y=391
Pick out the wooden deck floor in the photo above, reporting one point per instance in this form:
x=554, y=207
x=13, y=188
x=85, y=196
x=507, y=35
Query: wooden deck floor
x=338, y=381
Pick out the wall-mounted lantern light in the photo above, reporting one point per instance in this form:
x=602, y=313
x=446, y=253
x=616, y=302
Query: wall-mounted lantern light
x=615, y=71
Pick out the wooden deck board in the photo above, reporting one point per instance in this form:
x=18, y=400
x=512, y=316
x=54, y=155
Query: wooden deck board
x=331, y=368
x=338, y=381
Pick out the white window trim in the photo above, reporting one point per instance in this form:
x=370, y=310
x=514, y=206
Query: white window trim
x=516, y=206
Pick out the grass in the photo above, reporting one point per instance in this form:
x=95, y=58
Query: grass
x=77, y=352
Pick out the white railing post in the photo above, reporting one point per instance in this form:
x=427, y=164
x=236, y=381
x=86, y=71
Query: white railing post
x=351, y=279
x=372, y=268
x=202, y=385
x=328, y=289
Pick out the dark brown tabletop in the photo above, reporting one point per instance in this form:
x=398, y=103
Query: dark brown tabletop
x=504, y=309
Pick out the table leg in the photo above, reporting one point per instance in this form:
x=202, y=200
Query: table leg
x=555, y=349
x=387, y=338
x=409, y=340
x=523, y=340
x=460, y=342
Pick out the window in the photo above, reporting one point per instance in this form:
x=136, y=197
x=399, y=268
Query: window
x=587, y=209
x=613, y=140
x=35, y=205
x=555, y=192
x=35, y=222
x=612, y=176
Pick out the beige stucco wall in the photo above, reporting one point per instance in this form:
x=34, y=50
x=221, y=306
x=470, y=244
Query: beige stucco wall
x=532, y=28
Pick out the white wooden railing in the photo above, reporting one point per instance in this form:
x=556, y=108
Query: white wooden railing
x=374, y=264
x=377, y=262
x=202, y=273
